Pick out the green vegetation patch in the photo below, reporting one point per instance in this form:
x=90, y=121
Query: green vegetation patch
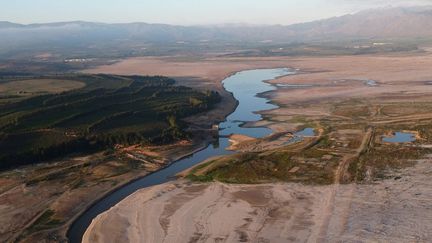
x=379, y=158
x=280, y=165
x=377, y=161
x=45, y=221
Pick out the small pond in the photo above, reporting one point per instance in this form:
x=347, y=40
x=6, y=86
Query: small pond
x=298, y=136
x=371, y=83
x=400, y=137
x=307, y=132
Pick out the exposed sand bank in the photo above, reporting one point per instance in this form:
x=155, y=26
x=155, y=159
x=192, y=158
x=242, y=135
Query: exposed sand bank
x=392, y=210
x=236, y=139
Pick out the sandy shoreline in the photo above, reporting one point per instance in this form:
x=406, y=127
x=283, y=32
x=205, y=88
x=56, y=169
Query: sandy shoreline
x=236, y=139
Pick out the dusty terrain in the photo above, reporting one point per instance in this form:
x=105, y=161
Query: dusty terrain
x=391, y=210
x=208, y=72
x=37, y=203
x=346, y=76
x=377, y=192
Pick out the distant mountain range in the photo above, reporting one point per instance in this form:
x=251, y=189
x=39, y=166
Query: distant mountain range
x=408, y=22
x=377, y=23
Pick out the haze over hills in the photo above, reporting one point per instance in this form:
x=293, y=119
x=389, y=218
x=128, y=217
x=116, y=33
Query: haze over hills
x=380, y=23
x=402, y=22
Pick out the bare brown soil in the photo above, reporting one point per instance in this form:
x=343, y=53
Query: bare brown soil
x=389, y=205
x=65, y=188
x=391, y=210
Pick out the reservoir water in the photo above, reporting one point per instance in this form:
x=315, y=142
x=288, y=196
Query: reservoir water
x=245, y=86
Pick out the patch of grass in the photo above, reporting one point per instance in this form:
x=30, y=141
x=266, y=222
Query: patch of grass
x=302, y=120
x=31, y=87
x=324, y=141
x=200, y=178
x=280, y=165
x=201, y=166
x=375, y=162
x=77, y=184
x=352, y=111
x=45, y=221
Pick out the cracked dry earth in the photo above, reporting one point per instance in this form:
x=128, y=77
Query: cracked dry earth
x=398, y=209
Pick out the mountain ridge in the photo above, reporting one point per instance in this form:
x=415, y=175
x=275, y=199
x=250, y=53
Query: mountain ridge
x=383, y=23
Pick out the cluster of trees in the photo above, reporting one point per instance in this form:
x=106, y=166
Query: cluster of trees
x=141, y=110
x=38, y=153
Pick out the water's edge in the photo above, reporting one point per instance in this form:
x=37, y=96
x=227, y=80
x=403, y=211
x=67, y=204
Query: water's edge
x=256, y=79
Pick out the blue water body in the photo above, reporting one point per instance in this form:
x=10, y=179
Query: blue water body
x=307, y=132
x=299, y=136
x=244, y=86
x=400, y=137
x=295, y=86
x=371, y=83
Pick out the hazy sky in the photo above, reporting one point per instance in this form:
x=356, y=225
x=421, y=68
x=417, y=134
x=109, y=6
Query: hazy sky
x=186, y=12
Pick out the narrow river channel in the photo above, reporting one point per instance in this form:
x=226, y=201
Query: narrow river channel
x=245, y=86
